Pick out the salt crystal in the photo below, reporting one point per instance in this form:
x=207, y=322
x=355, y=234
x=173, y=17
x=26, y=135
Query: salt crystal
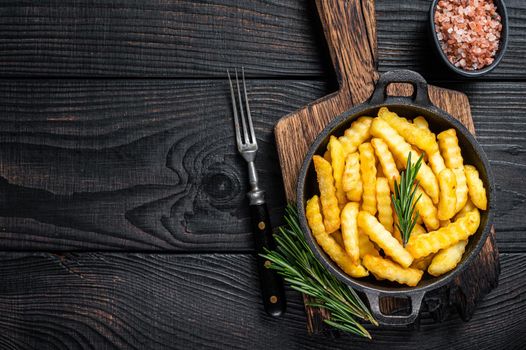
x=468, y=31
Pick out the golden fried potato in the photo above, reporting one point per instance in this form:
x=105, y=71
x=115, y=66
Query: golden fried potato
x=351, y=180
x=461, y=191
x=421, y=138
x=444, y=237
x=422, y=263
x=447, y=259
x=448, y=198
x=350, y=230
x=383, y=200
x=329, y=201
x=389, y=270
x=368, y=174
x=357, y=134
x=387, y=162
x=365, y=245
x=435, y=159
x=448, y=144
x=337, y=163
x=421, y=123
x=436, y=162
x=476, y=189
x=401, y=150
x=426, y=210
x=378, y=234
x=328, y=243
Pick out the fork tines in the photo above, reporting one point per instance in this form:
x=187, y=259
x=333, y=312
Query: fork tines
x=247, y=139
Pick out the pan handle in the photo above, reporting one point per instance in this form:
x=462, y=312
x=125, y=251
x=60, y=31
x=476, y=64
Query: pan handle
x=420, y=93
x=395, y=320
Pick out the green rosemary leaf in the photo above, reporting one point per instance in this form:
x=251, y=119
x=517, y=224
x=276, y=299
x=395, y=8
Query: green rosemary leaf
x=294, y=260
x=404, y=201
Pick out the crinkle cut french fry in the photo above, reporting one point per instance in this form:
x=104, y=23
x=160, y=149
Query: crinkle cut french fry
x=383, y=200
x=435, y=159
x=447, y=259
x=436, y=162
x=476, y=189
x=338, y=164
x=329, y=201
x=368, y=174
x=357, y=134
x=378, y=234
x=350, y=230
x=421, y=123
x=426, y=210
x=365, y=245
x=328, y=243
x=400, y=150
x=461, y=191
x=387, y=161
x=389, y=270
x=351, y=180
x=448, y=144
x=421, y=138
x=448, y=199
x=444, y=237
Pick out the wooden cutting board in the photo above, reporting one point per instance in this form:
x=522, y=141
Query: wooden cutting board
x=350, y=31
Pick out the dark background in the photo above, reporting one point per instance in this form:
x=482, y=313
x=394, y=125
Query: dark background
x=123, y=218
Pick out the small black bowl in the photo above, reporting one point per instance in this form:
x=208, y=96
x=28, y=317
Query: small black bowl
x=503, y=43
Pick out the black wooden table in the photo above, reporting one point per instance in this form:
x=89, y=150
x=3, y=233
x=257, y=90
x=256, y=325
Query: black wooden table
x=124, y=222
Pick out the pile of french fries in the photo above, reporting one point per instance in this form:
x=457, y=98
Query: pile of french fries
x=353, y=218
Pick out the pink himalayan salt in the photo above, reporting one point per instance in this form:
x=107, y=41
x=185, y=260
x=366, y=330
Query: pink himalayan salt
x=468, y=32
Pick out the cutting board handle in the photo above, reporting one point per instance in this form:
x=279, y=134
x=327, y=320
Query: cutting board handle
x=350, y=30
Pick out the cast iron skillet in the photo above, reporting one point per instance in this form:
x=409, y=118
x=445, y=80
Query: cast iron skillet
x=439, y=120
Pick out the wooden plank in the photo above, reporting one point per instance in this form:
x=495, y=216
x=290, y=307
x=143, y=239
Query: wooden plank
x=138, y=301
x=176, y=38
x=98, y=150
x=192, y=38
x=133, y=165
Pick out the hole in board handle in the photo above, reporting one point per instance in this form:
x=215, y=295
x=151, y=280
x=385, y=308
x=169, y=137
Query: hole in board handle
x=400, y=89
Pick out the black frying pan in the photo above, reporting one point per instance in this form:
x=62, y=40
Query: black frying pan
x=439, y=120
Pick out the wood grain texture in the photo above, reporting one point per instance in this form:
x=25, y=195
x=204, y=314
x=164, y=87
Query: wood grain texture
x=136, y=301
x=98, y=149
x=133, y=165
x=176, y=38
x=193, y=38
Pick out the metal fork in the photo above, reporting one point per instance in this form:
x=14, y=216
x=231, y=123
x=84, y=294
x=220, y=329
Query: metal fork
x=271, y=283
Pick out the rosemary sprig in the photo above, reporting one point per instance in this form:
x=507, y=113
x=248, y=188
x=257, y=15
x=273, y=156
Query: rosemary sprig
x=293, y=259
x=403, y=199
